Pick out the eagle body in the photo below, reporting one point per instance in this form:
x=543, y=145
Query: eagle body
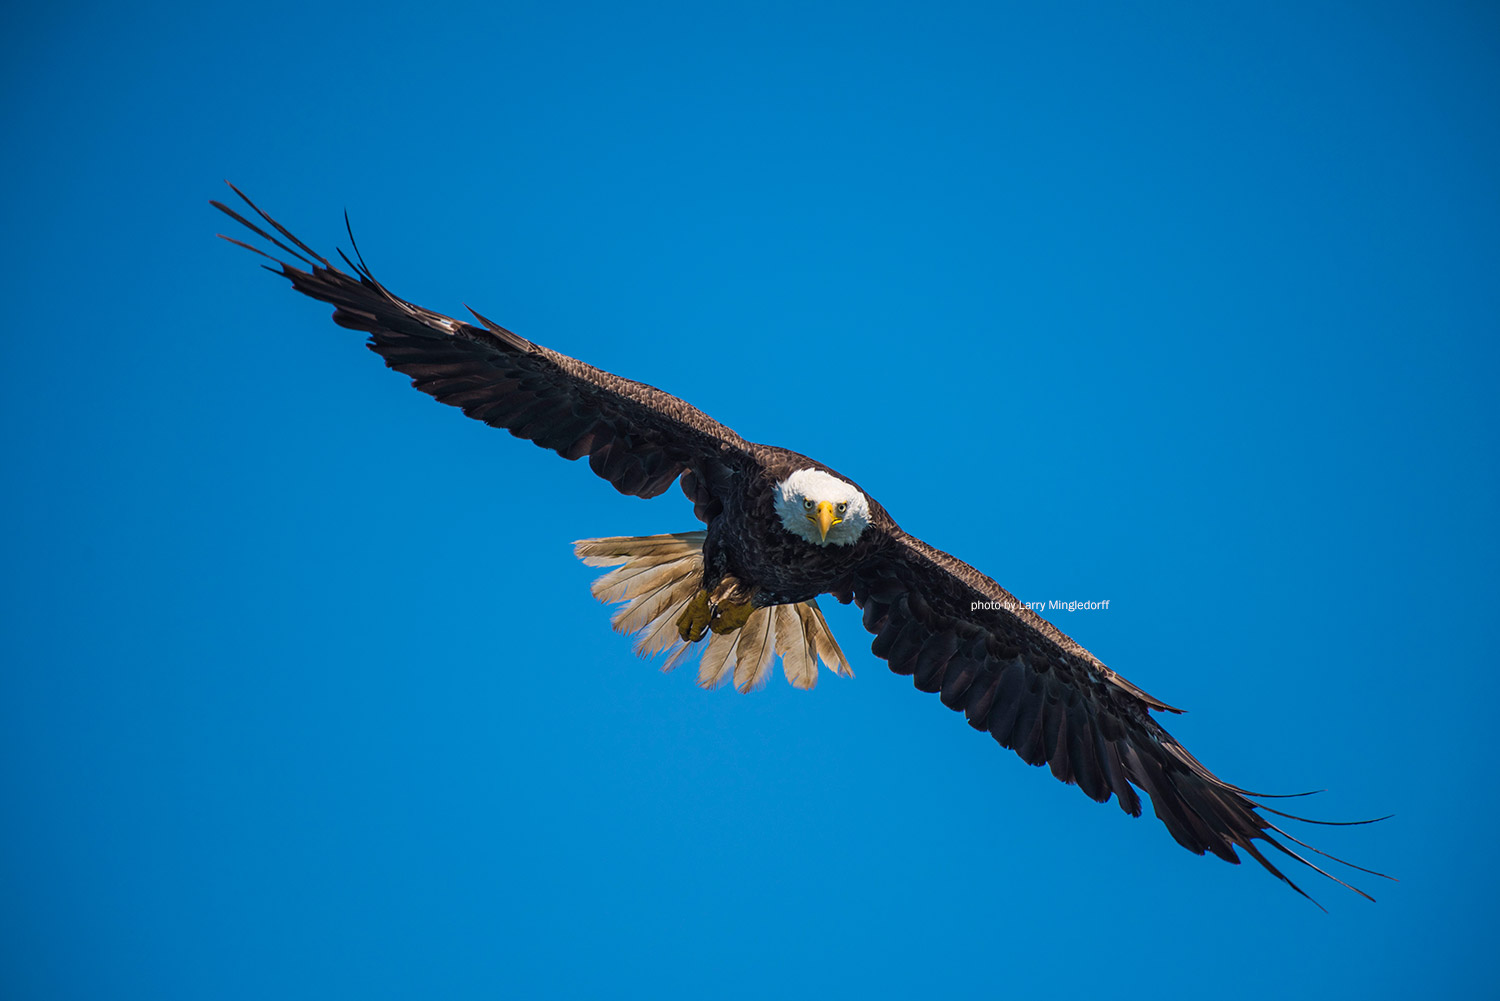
x=745, y=539
x=778, y=531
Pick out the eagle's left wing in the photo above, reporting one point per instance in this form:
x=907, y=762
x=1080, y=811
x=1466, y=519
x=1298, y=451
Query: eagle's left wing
x=636, y=436
x=1010, y=672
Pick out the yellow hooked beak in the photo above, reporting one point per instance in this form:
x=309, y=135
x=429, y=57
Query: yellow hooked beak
x=824, y=518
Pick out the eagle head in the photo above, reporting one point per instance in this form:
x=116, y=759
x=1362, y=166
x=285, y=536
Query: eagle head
x=821, y=508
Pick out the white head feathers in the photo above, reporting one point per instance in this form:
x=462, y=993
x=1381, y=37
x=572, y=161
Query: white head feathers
x=800, y=500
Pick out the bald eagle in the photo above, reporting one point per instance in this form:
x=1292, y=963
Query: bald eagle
x=779, y=530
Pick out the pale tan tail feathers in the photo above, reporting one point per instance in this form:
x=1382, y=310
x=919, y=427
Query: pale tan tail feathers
x=657, y=575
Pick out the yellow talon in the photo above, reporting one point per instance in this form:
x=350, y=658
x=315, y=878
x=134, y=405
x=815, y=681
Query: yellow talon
x=693, y=621
x=729, y=617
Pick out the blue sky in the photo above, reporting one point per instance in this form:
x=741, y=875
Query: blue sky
x=1192, y=308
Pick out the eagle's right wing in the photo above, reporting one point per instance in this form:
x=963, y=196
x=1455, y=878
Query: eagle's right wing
x=637, y=437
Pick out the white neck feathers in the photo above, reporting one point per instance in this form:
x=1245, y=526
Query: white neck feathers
x=799, y=495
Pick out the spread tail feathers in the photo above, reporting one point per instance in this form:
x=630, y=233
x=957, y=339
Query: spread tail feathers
x=657, y=576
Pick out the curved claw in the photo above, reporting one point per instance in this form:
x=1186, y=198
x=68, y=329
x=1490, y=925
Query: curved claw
x=728, y=617
x=694, y=620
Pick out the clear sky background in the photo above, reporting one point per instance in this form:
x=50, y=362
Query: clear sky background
x=1191, y=307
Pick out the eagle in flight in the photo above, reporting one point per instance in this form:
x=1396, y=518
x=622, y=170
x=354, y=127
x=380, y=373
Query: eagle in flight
x=778, y=530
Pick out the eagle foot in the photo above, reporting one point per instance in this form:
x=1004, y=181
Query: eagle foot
x=694, y=620
x=729, y=616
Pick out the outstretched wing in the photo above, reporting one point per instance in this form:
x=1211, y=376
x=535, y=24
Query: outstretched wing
x=959, y=634
x=637, y=437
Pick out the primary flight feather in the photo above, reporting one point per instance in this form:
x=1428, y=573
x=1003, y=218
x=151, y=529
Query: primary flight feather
x=779, y=530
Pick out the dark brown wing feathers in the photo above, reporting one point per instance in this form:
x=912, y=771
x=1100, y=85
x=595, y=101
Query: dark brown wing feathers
x=635, y=436
x=1034, y=690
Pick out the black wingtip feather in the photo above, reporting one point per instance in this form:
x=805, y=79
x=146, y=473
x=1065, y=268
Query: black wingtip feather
x=279, y=227
x=258, y=231
x=1329, y=855
x=363, y=268
x=253, y=250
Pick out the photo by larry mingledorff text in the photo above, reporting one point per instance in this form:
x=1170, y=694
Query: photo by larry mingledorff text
x=1040, y=606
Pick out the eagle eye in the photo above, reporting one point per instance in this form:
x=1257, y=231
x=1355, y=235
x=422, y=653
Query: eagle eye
x=843, y=507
